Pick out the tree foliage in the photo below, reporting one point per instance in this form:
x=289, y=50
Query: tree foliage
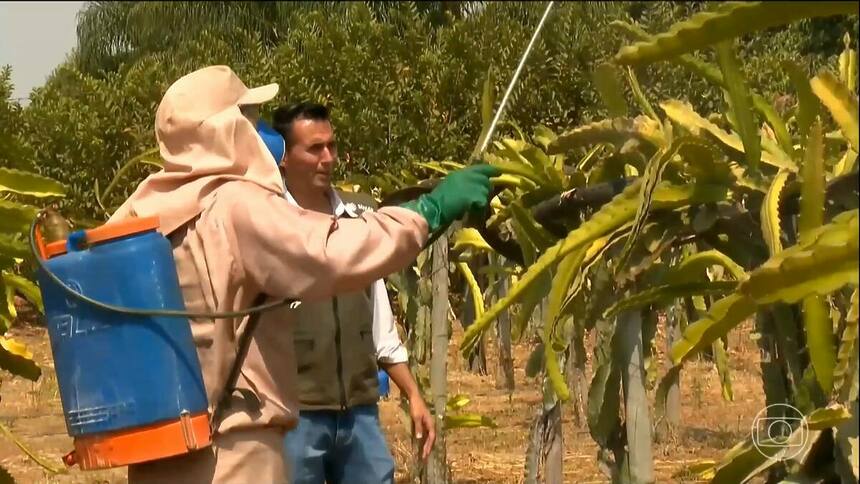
x=401, y=77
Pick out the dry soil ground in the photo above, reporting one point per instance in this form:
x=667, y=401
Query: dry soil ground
x=710, y=425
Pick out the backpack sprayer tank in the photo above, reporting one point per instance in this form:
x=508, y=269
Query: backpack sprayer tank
x=131, y=386
x=127, y=368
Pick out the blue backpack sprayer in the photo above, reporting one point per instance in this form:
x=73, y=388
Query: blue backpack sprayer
x=129, y=377
x=127, y=369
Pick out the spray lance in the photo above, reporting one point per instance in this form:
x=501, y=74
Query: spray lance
x=472, y=219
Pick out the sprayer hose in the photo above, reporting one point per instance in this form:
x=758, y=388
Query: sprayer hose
x=170, y=313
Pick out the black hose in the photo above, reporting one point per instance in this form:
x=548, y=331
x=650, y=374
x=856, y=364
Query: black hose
x=170, y=313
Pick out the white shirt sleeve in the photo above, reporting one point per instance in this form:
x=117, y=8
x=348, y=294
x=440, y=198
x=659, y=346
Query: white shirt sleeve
x=389, y=349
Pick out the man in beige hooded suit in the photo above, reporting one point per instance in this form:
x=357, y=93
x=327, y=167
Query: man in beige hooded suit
x=221, y=203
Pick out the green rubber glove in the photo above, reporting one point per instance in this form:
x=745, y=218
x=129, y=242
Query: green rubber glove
x=462, y=191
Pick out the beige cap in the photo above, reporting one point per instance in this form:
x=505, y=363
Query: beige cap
x=259, y=95
x=205, y=92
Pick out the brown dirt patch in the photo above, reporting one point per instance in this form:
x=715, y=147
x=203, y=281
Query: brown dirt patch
x=710, y=425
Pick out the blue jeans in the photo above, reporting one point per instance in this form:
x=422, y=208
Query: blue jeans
x=335, y=447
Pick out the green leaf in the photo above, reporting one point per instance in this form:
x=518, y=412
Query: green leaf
x=740, y=103
x=568, y=269
x=841, y=103
x=28, y=289
x=846, y=164
x=639, y=96
x=535, y=294
x=7, y=311
x=728, y=20
x=565, y=273
x=705, y=162
x=604, y=400
x=8, y=294
x=17, y=359
x=593, y=255
x=150, y=157
x=474, y=288
x=26, y=183
x=683, y=114
x=610, y=217
x=488, y=100
x=606, y=80
x=825, y=418
x=812, y=189
x=617, y=131
x=513, y=181
x=709, y=72
x=819, y=340
x=747, y=460
x=770, y=223
x=536, y=234
x=848, y=446
x=712, y=74
x=543, y=164
x=808, y=105
x=821, y=265
x=457, y=402
x=524, y=170
x=16, y=217
x=31, y=454
x=544, y=136
x=651, y=178
x=585, y=163
x=468, y=421
x=848, y=64
x=10, y=247
x=692, y=267
x=721, y=361
x=434, y=166
x=661, y=396
x=534, y=364
x=553, y=370
x=668, y=292
x=776, y=123
x=469, y=238
x=847, y=350
x=527, y=247
x=530, y=300
x=816, y=321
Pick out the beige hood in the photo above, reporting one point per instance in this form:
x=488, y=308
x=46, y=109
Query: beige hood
x=204, y=141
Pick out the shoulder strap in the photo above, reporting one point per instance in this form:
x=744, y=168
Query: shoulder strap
x=235, y=371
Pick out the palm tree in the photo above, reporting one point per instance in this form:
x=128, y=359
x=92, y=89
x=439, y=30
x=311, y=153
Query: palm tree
x=112, y=33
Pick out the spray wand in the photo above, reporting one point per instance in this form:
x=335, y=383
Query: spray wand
x=411, y=192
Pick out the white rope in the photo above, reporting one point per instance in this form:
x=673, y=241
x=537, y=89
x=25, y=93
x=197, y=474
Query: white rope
x=514, y=80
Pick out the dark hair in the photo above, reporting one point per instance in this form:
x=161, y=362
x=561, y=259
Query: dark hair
x=284, y=116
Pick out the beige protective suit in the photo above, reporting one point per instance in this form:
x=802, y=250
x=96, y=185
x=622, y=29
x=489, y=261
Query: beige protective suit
x=220, y=201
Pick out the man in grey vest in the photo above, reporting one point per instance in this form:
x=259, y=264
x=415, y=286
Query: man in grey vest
x=340, y=342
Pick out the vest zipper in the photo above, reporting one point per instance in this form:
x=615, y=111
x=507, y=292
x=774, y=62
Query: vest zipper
x=339, y=356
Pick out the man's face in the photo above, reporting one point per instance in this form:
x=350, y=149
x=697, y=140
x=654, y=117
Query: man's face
x=312, y=155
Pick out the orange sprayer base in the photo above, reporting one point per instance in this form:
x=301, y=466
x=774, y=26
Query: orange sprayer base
x=142, y=444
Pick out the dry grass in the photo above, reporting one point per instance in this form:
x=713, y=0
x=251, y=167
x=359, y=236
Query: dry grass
x=709, y=424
